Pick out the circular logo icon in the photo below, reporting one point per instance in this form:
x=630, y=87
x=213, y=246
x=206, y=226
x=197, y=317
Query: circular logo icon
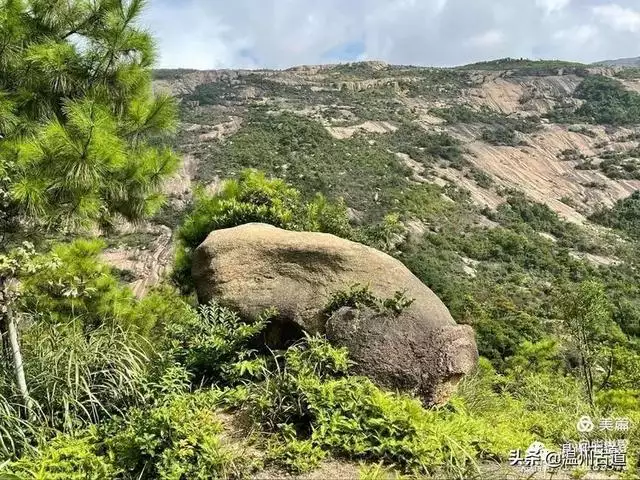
x=585, y=425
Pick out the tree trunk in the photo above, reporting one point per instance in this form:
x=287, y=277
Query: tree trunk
x=9, y=325
x=588, y=379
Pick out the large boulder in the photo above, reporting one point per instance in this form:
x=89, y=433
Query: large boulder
x=255, y=266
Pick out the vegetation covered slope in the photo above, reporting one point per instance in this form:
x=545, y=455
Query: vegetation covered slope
x=440, y=168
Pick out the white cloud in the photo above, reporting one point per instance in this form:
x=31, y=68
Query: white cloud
x=489, y=38
x=282, y=33
x=551, y=6
x=578, y=35
x=618, y=17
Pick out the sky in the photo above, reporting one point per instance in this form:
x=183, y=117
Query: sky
x=212, y=34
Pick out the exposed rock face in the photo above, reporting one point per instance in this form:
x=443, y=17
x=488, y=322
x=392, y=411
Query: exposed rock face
x=398, y=352
x=255, y=266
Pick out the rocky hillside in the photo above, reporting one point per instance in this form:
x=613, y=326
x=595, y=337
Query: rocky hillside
x=563, y=134
x=505, y=120
x=621, y=62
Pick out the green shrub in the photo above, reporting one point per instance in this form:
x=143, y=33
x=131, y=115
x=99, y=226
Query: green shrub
x=358, y=296
x=624, y=215
x=500, y=127
x=302, y=152
x=482, y=178
x=180, y=440
x=389, y=235
x=500, y=136
x=214, y=345
x=313, y=404
x=79, y=287
x=294, y=455
x=606, y=102
x=524, y=66
x=64, y=458
x=427, y=147
x=254, y=198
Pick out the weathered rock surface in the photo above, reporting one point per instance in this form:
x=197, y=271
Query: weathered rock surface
x=398, y=352
x=255, y=266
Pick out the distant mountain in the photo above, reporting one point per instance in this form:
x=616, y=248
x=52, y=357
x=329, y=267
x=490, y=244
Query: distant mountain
x=620, y=62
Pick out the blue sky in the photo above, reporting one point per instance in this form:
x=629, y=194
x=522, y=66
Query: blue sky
x=283, y=33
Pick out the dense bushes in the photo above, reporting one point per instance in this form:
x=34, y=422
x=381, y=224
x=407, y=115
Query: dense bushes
x=180, y=439
x=624, y=215
x=431, y=149
x=302, y=152
x=307, y=408
x=498, y=129
x=74, y=285
x=314, y=408
x=526, y=67
x=65, y=458
x=606, y=102
x=255, y=198
x=213, y=345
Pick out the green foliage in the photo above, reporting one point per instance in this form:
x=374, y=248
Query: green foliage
x=517, y=274
x=77, y=379
x=482, y=178
x=500, y=129
x=303, y=153
x=314, y=407
x=428, y=148
x=73, y=284
x=631, y=73
x=80, y=113
x=74, y=380
x=523, y=66
x=178, y=440
x=295, y=455
x=254, y=198
x=171, y=74
x=214, y=345
x=587, y=316
x=388, y=235
x=624, y=215
x=606, y=102
x=359, y=296
x=621, y=165
x=435, y=83
x=500, y=136
x=64, y=458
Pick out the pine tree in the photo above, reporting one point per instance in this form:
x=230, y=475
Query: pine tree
x=78, y=125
